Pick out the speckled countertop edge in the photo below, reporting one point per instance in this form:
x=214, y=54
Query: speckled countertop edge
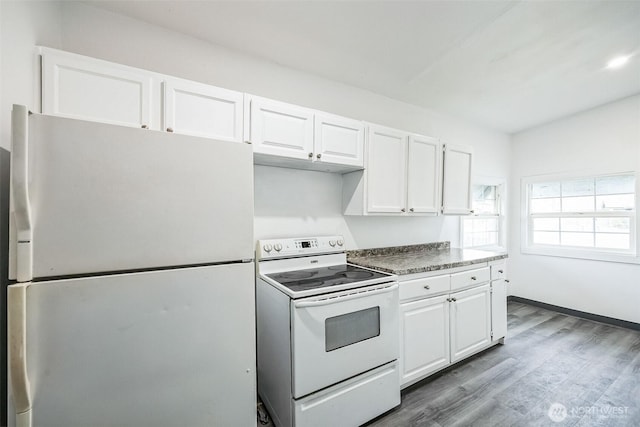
x=413, y=259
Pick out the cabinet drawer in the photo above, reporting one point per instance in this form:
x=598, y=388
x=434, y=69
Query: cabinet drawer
x=498, y=271
x=412, y=289
x=469, y=278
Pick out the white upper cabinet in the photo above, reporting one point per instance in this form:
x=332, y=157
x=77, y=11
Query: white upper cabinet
x=86, y=88
x=338, y=140
x=89, y=89
x=456, y=187
x=202, y=110
x=402, y=175
x=424, y=171
x=291, y=136
x=281, y=129
x=386, y=170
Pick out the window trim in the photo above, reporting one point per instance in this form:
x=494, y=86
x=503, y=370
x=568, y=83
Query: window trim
x=594, y=254
x=501, y=193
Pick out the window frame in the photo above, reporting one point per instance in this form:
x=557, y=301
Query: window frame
x=501, y=191
x=596, y=254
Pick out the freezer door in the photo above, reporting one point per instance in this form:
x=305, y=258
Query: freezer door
x=167, y=348
x=113, y=198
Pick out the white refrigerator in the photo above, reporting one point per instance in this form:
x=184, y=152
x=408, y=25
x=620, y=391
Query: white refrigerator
x=131, y=254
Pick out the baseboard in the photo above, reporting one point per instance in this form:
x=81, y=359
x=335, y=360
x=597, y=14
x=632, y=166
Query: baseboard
x=577, y=313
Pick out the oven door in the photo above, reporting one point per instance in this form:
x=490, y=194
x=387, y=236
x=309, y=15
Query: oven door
x=339, y=335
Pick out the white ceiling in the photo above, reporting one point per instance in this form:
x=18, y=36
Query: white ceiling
x=506, y=65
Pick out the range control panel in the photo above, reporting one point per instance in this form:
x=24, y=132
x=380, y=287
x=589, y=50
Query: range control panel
x=295, y=247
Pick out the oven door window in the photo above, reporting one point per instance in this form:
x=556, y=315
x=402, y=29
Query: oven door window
x=350, y=328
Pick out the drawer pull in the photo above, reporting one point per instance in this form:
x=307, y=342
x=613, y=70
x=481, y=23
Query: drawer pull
x=453, y=299
x=506, y=281
x=427, y=287
x=473, y=277
x=500, y=271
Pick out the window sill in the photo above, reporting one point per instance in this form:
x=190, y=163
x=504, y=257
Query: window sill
x=580, y=254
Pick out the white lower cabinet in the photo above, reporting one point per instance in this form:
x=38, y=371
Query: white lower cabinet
x=424, y=337
x=441, y=325
x=470, y=321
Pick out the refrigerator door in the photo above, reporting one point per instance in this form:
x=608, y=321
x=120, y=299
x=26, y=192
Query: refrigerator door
x=107, y=198
x=164, y=348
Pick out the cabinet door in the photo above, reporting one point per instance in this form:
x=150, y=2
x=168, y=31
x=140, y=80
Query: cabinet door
x=281, y=129
x=470, y=321
x=456, y=186
x=423, y=176
x=424, y=337
x=339, y=140
x=386, y=171
x=201, y=110
x=498, y=309
x=84, y=88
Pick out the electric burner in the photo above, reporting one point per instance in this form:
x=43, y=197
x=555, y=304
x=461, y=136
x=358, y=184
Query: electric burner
x=324, y=277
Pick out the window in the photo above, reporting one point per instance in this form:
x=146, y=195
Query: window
x=484, y=228
x=581, y=216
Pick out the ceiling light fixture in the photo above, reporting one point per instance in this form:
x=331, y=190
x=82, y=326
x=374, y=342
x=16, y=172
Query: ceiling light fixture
x=618, y=62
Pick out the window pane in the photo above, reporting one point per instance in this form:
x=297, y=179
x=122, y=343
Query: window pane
x=545, y=189
x=577, y=239
x=613, y=241
x=616, y=184
x=578, y=187
x=484, y=199
x=576, y=224
x=546, y=238
x=615, y=202
x=492, y=224
x=545, y=205
x=613, y=225
x=546, y=224
x=577, y=204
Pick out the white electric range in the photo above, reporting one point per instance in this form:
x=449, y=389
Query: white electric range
x=327, y=334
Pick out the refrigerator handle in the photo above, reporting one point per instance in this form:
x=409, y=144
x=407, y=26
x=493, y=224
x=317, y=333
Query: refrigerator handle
x=17, y=322
x=20, y=191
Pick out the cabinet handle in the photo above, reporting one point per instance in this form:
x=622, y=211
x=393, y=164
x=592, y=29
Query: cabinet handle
x=411, y=209
x=403, y=210
x=473, y=278
x=319, y=155
x=500, y=271
x=170, y=130
x=427, y=287
x=310, y=155
x=453, y=299
x=449, y=299
x=145, y=127
x=506, y=281
x=472, y=211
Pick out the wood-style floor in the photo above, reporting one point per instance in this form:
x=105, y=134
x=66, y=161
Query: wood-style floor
x=591, y=369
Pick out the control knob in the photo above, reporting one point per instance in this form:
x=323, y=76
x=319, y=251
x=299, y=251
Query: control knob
x=277, y=247
x=332, y=243
x=340, y=242
x=267, y=248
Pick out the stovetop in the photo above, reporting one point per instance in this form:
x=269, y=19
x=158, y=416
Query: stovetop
x=324, y=277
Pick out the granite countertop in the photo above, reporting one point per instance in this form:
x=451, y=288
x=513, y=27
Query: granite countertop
x=420, y=258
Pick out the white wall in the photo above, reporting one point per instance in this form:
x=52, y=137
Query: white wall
x=602, y=140
x=288, y=202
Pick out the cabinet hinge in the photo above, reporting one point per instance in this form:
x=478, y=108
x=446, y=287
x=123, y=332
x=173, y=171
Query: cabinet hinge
x=491, y=335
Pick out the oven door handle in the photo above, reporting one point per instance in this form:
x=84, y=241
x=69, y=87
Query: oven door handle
x=331, y=300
